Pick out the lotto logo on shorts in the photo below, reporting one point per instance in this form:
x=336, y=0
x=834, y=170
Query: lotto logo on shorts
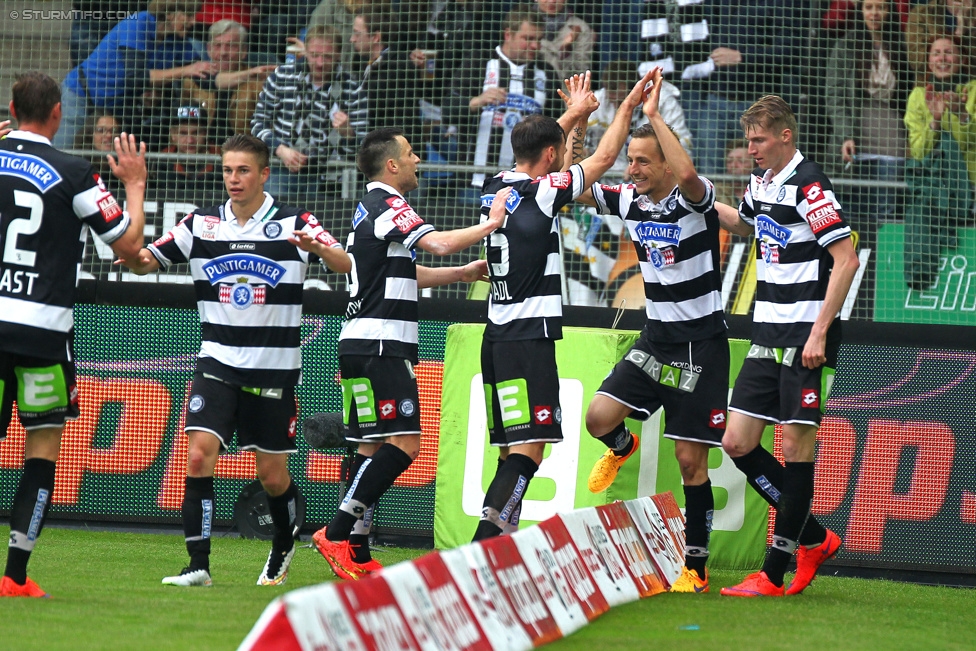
x=717, y=419
x=292, y=426
x=809, y=398
x=388, y=409
x=543, y=415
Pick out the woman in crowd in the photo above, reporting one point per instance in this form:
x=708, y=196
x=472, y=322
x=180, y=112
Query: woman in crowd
x=942, y=143
x=868, y=82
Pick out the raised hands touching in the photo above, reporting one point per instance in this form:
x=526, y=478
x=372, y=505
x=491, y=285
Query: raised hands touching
x=650, y=96
x=581, y=99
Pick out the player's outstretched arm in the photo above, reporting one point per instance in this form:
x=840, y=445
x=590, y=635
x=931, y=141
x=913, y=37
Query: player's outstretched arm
x=5, y=128
x=333, y=256
x=841, y=277
x=730, y=220
x=690, y=184
x=613, y=140
x=129, y=166
x=437, y=276
x=447, y=242
x=141, y=263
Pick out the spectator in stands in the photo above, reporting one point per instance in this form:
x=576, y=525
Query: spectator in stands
x=867, y=85
x=954, y=18
x=440, y=35
x=99, y=135
x=567, y=44
x=755, y=46
x=942, y=143
x=87, y=30
x=675, y=35
x=309, y=112
x=196, y=181
x=618, y=78
x=388, y=79
x=230, y=91
x=339, y=14
x=489, y=97
x=118, y=72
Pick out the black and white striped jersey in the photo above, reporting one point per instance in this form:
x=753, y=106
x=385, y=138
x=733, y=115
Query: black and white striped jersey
x=523, y=255
x=48, y=201
x=382, y=315
x=248, y=281
x=796, y=217
x=677, y=244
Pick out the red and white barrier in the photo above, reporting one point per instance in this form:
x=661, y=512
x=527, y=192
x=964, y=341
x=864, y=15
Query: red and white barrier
x=510, y=593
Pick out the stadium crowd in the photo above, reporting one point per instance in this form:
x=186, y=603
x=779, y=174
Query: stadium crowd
x=876, y=84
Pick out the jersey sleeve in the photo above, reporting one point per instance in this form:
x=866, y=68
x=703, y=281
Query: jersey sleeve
x=613, y=199
x=95, y=205
x=307, y=223
x=560, y=188
x=747, y=208
x=174, y=247
x=818, y=205
x=708, y=201
x=400, y=223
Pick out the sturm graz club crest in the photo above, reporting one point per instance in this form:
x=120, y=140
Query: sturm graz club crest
x=272, y=230
x=241, y=296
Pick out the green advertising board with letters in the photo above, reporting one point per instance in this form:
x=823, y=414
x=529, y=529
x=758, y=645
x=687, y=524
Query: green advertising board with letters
x=466, y=463
x=950, y=301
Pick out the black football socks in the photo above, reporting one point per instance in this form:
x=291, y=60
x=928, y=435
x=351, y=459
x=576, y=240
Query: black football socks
x=504, y=496
x=27, y=516
x=699, y=509
x=198, y=515
x=374, y=478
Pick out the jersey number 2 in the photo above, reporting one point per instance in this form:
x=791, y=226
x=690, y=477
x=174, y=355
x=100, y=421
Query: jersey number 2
x=23, y=226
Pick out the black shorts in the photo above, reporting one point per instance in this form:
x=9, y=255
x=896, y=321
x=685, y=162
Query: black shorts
x=45, y=390
x=690, y=380
x=264, y=419
x=522, y=389
x=773, y=385
x=379, y=397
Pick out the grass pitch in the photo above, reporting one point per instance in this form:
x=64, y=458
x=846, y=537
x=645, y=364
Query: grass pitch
x=107, y=595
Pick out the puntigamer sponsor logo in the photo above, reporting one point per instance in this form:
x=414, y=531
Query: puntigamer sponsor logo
x=30, y=168
x=241, y=263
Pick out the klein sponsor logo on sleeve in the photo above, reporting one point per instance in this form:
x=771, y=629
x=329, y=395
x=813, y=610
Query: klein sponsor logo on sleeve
x=406, y=220
x=109, y=208
x=611, y=188
x=823, y=215
x=325, y=237
x=560, y=180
